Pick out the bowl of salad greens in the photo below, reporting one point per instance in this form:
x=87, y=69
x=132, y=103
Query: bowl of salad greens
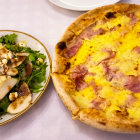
x=25, y=67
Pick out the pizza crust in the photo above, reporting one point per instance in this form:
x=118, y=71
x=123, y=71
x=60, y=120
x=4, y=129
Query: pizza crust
x=58, y=63
x=65, y=97
x=93, y=118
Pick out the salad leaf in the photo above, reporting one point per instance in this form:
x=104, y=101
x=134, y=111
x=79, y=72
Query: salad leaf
x=37, y=77
x=14, y=48
x=8, y=39
x=4, y=104
x=38, y=73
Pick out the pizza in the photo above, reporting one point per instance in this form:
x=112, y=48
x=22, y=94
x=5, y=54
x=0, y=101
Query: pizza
x=96, y=68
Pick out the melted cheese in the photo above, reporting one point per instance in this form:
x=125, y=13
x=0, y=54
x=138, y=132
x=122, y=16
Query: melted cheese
x=125, y=60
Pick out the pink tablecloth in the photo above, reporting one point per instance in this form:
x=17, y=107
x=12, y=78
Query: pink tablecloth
x=49, y=119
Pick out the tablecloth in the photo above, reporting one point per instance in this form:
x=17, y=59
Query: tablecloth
x=48, y=119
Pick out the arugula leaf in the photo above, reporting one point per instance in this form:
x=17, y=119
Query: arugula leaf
x=8, y=39
x=37, y=77
x=4, y=103
x=14, y=48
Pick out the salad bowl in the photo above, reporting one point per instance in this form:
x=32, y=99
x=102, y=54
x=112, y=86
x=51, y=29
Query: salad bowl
x=35, y=45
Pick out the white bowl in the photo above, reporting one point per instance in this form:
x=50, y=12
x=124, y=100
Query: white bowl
x=35, y=44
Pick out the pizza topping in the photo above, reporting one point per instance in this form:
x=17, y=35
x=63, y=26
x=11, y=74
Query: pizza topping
x=130, y=100
x=108, y=71
x=136, y=49
x=124, y=32
x=100, y=103
x=80, y=83
x=113, y=28
x=78, y=74
x=112, y=73
x=133, y=18
x=94, y=86
x=72, y=51
x=62, y=45
x=110, y=15
x=78, y=71
x=73, y=47
x=138, y=34
x=68, y=65
x=100, y=31
x=111, y=54
x=133, y=84
x=89, y=32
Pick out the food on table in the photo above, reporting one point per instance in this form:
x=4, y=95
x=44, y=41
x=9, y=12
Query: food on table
x=96, y=68
x=21, y=74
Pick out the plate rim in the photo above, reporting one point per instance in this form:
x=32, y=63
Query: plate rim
x=46, y=83
x=79, y=9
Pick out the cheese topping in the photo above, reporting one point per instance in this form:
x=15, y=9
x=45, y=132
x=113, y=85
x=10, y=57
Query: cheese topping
x=120, y=37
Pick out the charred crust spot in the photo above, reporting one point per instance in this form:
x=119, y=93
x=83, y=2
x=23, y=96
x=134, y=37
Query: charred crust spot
x=68, y=65
x=62, y=45
x=135, y=126
x=122, y=113
x=110, y=15
x=136, y=68
x=119, y=25
x=102, y=123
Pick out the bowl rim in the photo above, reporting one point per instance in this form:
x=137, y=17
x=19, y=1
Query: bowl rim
x=46, y=83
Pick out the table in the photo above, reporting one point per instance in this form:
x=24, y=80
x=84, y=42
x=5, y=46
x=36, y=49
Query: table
x=48, y=119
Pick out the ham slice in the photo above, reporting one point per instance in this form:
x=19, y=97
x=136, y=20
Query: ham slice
x=136, y=49
x=77, y=74
x=78, y=71
x=133, y=18
x=94, y=86
x=109, y=72
x=100, y=103
x=130, y=100
x=132, y=83
x=80, y=83
x=111, y=54
x=77, y=43
x=90, y=33
x=73, y=48
x=72, y=51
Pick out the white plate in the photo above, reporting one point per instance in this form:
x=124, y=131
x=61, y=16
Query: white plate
x=35, y=44
x=82, y=5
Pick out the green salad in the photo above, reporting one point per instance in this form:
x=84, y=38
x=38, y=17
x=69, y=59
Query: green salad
x=22, y=72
